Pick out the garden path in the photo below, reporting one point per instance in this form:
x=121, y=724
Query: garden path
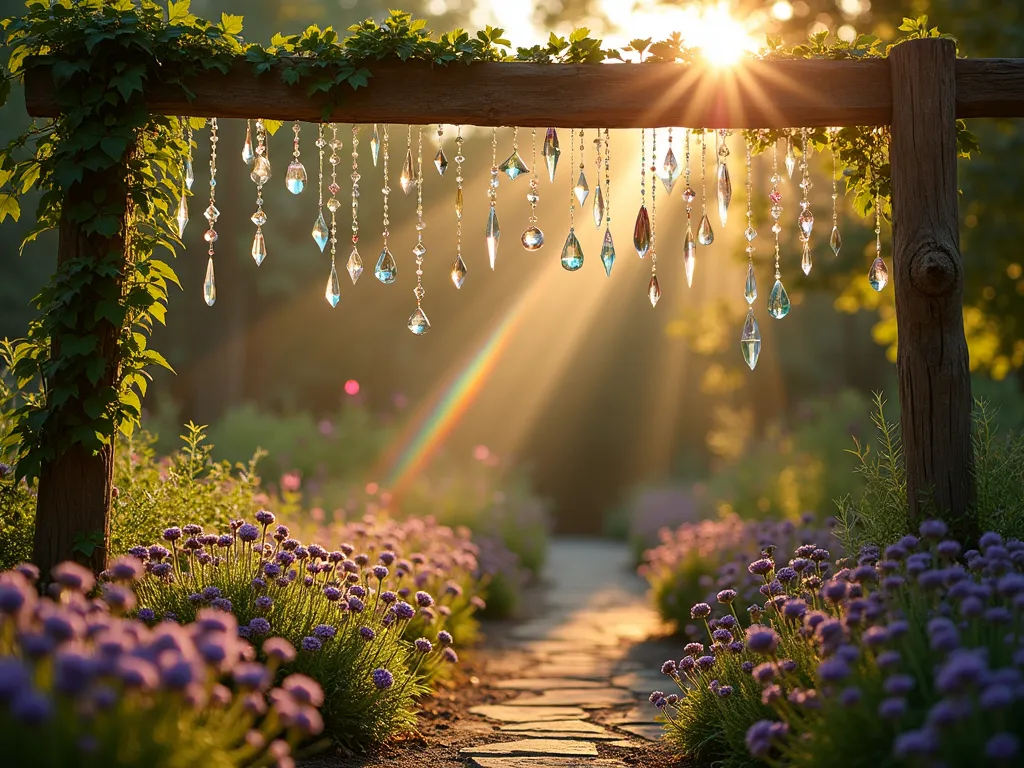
x=582, y=669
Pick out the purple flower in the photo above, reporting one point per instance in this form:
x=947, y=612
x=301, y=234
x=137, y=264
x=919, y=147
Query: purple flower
x=888, y=659
x=386, y=557
x=367, y=633
x=450, y=655
x=962, y=670
x=787, y=574
x=325, y=631
x=794, y=609
x=248, y=532
x=761, y=567
x=312, y=644
x=403, y=610
x=726, y=596
x=273, y=570
x=146, y=614
x=996, y=696
x=304, y=689
x=221, y=604
x=445, y=638
x=280, y=649
x=706, y=662
x=265, y=518
x=264, y=602
x=899, y=685
x=74, y=576
x=382, y=678
x=762, y=639
x=172, y=534
x=694, y=649
x=669, y=667
x=31, y=707
x=355, y=604
x=933, y=529
x=834, y=591
x=850, y=696
x=251, y=675
x=258, y=627
x=916, y=743
x=687, y=663
x=423, y=645
x=833, y=670
x=724, y=691
x=1002, y=746
x=380, y=572
x=763, y=673
x=332, y=593
x=722, y=636
x=700, y=611
x=990, y=539
x=762, y=734
x=948, y=549
x=424, y=600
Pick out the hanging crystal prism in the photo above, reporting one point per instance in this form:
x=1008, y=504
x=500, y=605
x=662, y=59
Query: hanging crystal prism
x=386, y=270
x=790, y=156
x=582, y=189
x=598, y=206
x=408, y=177
x=492, y=235
x=259, y=248
x=260, y=170
x=836, y=240
x=705, y=235
x=260, y=175
x=514, y=166
x=806, y=261
x=689, y=256
x=354, y=266
x=608, y=252
x=778, y=301
x=723, y=183
x=642, y=232
x=210, y=284
x=878, y=275
x=492, y=232
x=572, y=253
x=320, y=233
x=247, y=153
x=551, y=152
x=190, y=176
x=440, y=162
x=533, y=239
x=654, y=291
x=418, y=322
x=333, y=291
x=374, y=145
x=670, y=170
x=182, y=217
x=458, y=272
x=750, y=340
x=806, y=222
x=750, y=287
x=295, y=175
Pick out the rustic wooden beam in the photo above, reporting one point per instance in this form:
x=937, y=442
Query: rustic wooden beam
x=932, y=360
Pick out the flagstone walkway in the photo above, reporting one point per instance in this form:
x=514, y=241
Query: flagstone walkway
x=582, y=669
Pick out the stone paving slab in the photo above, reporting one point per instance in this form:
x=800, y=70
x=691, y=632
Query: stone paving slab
x=642, y=684
x=562, y=729
x=546, y=684
x=587, y=698
x=534, y=748
x=650, y=732
x=508, y=714
x=642, y=714
x=542, y=762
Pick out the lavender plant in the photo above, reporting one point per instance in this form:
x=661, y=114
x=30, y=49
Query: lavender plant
x=347, y=612
x=82, y=685
x=909, y=656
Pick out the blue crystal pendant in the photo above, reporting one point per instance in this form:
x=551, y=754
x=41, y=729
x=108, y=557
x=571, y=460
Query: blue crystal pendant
x=386, y=270
x=608, y=252
x=320, y=232
x=750, y=340
x=778, y=301
x=418, y=322
x=514, y=166
x=572, y=253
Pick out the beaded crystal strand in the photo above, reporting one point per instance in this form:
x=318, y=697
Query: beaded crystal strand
x=187, y=177
x=533, y=237
x=260, y=175
x=333, y=290
x=386, y=269
x=458, y=270
x=878, y=275
x=689, y=243
x=211, y=214
x=642, y=227
x=354, y=265
x=835, y=241
x=653, y=287
x=418, y=322
x=806, y=219
x=320, y=232
x=572, y=252
x=492, y=232
x=705, y=235
x=778, y=299
x=750, y=337
x=607, y=245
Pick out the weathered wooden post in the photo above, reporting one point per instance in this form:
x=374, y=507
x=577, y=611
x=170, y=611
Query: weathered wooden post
x=928, y=276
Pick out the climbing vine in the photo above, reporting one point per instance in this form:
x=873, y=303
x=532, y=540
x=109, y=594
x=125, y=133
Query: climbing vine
x=108, y=170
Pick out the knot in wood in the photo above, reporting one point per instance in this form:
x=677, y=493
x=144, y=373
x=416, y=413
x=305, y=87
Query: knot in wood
x=935, y=269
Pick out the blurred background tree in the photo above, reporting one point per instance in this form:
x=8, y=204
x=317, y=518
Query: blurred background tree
x=572, y=375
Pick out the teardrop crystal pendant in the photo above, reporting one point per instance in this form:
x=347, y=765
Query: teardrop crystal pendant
x=572, y=253
x=514, y=166
x=705, y=235
x=259, y=248
x=354, y=267
x=210, y=285
x=689, y=256
x=333, y=291
x=806, y=221
x=408, y=177
x=642, y=232
x=386, y=270
x=190, y=177
x=492, y=235
x=790, y=158
x=295, y=177
x=182, y=213
x=247, y=154
x=878, y=275
x=654, y=291
x=608, y=252
x=598, y=207
x=418, y=322
x=724, y=186
x=374, y=145
x=778, y=301
x=440, y=162
x=458, y=272
x=750, y=340
x=533, y=239
x=582, y=189
x=670, y=171
x=805, y=259
x=750, y=287
x=551, y=152
x=836, y=241
x=260, y=170
x=320, y=231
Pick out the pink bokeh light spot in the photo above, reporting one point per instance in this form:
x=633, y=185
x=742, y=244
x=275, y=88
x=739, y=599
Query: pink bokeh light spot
x=481, y=453
x=352, y=387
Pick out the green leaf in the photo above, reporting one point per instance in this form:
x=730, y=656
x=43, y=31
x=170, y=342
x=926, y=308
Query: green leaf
x=177, y=12
x=9, y=206
x=232, y=25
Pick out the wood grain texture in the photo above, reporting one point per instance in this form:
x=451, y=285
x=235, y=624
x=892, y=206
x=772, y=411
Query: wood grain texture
x=762, y=94
x=932, y=359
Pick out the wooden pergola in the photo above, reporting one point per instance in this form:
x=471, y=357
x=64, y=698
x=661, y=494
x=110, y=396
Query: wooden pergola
x=919, y=91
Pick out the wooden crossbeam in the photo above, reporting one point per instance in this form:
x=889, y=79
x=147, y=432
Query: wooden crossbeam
x=756, y=94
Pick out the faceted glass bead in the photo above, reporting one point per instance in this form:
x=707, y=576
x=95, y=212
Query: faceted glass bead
x=182, y=214
x=333, y=205
x=724, y=187
x=750, y=340
x=333, y=188
x=835, y=241
x=805, y=259
x=210, y=284
x=440, y=162
x=295, y=177
x=705, y=235
x=320, y=231
x=333, y=290
x=750, y=287
x=190, y=177
x=608, y=252
x=259, y=218
x=878, y=275
x=374, y=145
x=598, y=207
x=533, y=239
x=689, y=256
x=386, y=270
x=582, y=189
x=408, y=177
x=642, y=232
x=259, y=248
x=492, y=234
x=514, y=166
x=354, y=267
x=750, y=233
x=778, y=301
x=418, y=322
x=689, y=195
x=210, y=235
x=670, y=171
x=247, y=154
x=532, y=197
x=458, y=272
x=260, y=170
x=572, y=253
x=419, y=249
x=790, y=159
x=806, y=221
x=551, y=152
x=654, y=291
x=211, y=214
